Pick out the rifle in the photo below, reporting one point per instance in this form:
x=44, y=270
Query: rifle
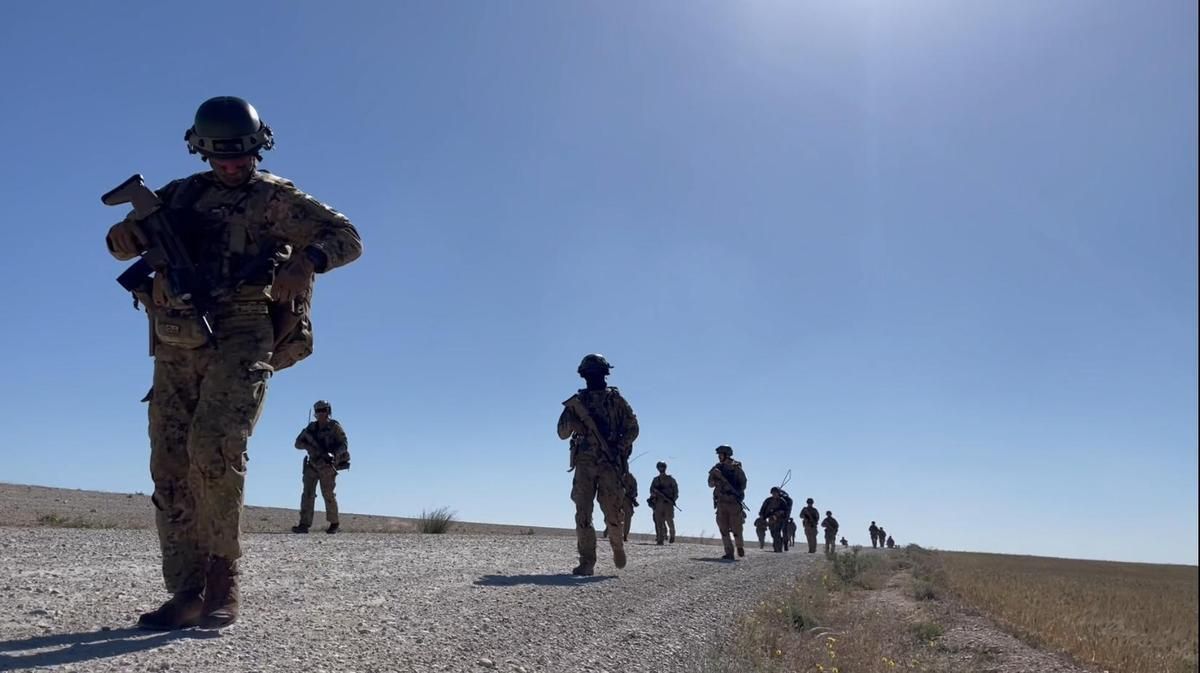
x=717, y=470
x=580, y=409
x=164, y=253
x=167, y=255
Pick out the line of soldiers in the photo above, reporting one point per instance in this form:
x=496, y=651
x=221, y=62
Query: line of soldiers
x=602, y=427
x=879, y=537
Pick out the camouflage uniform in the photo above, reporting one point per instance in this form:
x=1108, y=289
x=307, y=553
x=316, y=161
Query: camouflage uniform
x=890, y=542
x=830, y=525
x=774, y=511
x=599, y=476
x=664, y=493
x=631, y=496
x=874, y=531
x=809, y=516
x=327, y=448
x=728, y=481
x=882, y=537
x=791, y=531
x=760, y=529
x=205, y=401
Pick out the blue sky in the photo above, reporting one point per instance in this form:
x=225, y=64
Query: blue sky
x=939, y=260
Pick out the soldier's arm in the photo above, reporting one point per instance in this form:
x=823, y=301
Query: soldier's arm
x=165, y=193
x=629, y=424
x=321, y=232
x=303, y=440
x=567, y=423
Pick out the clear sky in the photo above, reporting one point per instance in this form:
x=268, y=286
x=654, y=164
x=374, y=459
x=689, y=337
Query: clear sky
x=936, y=258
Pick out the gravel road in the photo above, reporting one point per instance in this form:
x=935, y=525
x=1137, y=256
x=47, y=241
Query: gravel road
x=367, y=603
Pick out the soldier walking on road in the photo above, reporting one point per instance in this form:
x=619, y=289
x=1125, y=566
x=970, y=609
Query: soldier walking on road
x=728, y=482
x=664, y=493
x=601, y=427
x=830, y=525
x=774, y=511
x=328, y=452
x=874, y=531
x=809, y=516
x=229, y=257
x=631, y=501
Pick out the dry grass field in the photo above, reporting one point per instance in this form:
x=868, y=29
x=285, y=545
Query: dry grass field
x=1122, y=617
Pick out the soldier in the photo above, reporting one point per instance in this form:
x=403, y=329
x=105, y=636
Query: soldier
x=774, y=512
x=844, y=543
x=809, y=517
x=760, y=529
x=328, y=451
x=882, y=537
x=791, y=531
x=830, y=525
x=664, y=493
x=890, y=542
x=602, y=427
x=728, y=482
x=874, y=531
x=255, y=242
x=631, y=497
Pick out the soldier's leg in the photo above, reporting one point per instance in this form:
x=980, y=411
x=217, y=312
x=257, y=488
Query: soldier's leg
x=660, y=525
x=776, y=535
x=725, y=525
x=810, y=534
x=231, y=399
x=328, y=484
x=309, y=495
x=627, y=511
x=610, y=492
x=583, y=493
x=176, y=389
x=669, y=516
x=739, y=521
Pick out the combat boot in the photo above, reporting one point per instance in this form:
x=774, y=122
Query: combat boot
x=182, y=611
x=584, y=569
x=741, y=550
x=333, y=528
x=300, y=529
x=220, y=594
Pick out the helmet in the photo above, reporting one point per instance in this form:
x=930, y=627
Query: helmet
x=594, y=363
x=226, y=127
x=809, y=501
x=774, y=490
x=828, y=513
x=322, y=405
x=660, y=465
x=725, y=449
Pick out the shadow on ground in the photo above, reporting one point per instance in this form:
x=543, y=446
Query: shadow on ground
x=70, y=648
x=713, y=559
x=557, y=580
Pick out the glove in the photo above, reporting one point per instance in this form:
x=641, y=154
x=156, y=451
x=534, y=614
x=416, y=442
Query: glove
x=125, y=240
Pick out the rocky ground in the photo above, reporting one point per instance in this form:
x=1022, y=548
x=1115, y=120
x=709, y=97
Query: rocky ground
x=359, y=602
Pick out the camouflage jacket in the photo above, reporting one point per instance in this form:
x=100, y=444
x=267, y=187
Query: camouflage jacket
x=735, y=477
x=774, y=506
x=830, y=525
x=226, y=228
x=610, y=413
x=631, y=488
x=809, y=516
x=665, y=485
x=319, y=441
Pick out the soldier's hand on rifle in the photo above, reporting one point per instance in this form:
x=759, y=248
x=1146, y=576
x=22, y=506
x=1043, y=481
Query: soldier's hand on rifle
x=125, y=240
x=160, y=291
x=293, y=279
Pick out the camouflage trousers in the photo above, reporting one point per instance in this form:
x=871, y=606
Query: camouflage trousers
x=762, y=535
x=326, y=476
x=627, y=515
x=874, y=541
x=730, y=517
x=778, y=525
x=664, y=521
x=830, y=542
x=597, y=481
x=810, y=534
x=203, y=408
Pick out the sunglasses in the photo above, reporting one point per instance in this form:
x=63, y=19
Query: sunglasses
x=321, y=411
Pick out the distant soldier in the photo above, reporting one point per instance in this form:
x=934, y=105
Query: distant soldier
x=631, y=497
x=882, y=537
x=809, y=516
x=774, y=511
x=602, y=427
x=760, y=529
x=328, y=451
x=844, y=543
x=830, y=525
x=791, y=531
x=664, y=493
x=874, y=531
x=728, y=482
x=890, y=542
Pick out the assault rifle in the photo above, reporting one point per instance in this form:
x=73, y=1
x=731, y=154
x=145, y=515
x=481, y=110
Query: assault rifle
x=654, y=489
x=716, y=469
x=617, y=461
